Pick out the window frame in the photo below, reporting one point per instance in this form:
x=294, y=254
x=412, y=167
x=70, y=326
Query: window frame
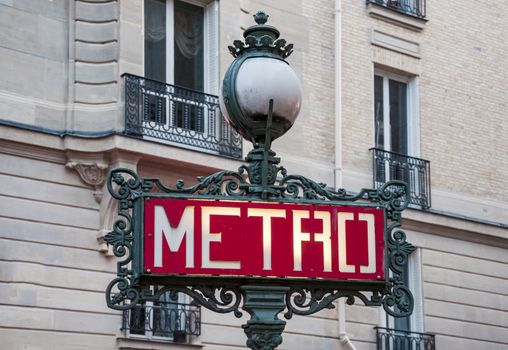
x=211, y=13
x=210, y=69
x=412, y=105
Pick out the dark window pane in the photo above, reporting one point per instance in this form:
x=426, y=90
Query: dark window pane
x=137, y=320
x=189, y=56
x=155, y=39
x=378, y=111
x=154, y=108
x=398, y=116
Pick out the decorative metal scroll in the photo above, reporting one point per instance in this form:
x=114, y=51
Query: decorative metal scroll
x=126, y=186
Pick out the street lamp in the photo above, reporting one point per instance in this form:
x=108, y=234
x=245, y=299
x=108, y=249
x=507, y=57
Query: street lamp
x=261, y=98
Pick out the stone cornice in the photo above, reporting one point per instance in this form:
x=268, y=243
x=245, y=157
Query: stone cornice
x=455, y=227
x=104, y=149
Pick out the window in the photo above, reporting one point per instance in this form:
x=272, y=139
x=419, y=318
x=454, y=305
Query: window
x=395, y=121
x=391, y=123
x=180, y=49
x=166, y=319
x=181, y=43
x=396, y=113
x=396, y=136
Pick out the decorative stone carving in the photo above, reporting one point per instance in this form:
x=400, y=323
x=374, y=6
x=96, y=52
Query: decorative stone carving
x=92, y=174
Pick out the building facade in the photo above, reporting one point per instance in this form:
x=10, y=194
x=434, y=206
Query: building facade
x=408, y=89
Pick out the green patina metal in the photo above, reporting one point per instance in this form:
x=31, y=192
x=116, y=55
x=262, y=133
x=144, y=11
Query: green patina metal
x=261, y=179
x=264, y=303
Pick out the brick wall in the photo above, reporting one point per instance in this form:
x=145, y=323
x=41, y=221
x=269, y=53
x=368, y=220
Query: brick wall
x=462, y=99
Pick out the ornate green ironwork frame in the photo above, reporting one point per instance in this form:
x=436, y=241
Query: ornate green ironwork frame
x=263, y=298
x=221, y=294
x=261, y=179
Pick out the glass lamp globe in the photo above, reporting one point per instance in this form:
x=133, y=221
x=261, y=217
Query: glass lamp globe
x=257, y=75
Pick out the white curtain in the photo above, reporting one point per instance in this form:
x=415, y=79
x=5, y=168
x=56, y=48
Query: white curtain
x=155, y=26
x=188, y=33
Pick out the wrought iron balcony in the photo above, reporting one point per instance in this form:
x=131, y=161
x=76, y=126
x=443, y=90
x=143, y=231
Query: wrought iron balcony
x=391, y=339
x=163, y=320
x=415, y=8
x=415, y=171
x=166, y=113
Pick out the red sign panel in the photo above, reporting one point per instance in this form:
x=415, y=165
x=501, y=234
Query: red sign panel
x=234, y=238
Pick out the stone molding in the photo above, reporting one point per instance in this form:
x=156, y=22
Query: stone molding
x=96, y=31
x=125, y=343
x=93, y=49
x=395, y=43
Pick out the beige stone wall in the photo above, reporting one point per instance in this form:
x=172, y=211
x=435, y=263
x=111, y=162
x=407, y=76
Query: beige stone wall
x=462, y=117
x=52, y=276
x=33, y=62
x=93, y=66
x=61, y=63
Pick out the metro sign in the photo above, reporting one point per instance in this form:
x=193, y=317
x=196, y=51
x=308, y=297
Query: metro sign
x=202, y=237
x=230, y=244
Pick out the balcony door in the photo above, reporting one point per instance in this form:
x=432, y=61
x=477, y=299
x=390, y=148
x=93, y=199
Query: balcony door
x=180, y=50
x=396, y=127
x=181, y=43
x=395, y=113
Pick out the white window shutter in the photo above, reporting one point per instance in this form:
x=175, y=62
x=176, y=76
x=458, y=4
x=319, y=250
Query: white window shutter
x=212, y=48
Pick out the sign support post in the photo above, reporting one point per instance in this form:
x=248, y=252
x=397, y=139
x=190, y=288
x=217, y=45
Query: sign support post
x=264, y=303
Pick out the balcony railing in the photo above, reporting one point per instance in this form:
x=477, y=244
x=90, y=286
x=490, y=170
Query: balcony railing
x=415, y=171
x=391, y=339
x=167, y=113
x=163, y=320
x=415, y=8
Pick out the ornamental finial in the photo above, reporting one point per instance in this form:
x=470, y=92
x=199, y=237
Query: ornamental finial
x=261, y=37
x=261, y=17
